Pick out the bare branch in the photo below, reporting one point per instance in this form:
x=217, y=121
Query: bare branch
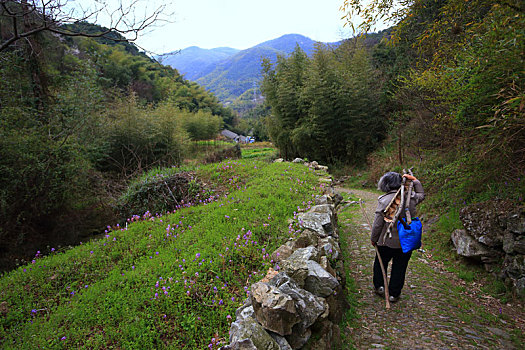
x=52, y=15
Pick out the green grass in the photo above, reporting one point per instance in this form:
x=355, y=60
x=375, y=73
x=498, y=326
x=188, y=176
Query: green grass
x=263, y=153
x=438, y=243
x=350, y=318
x=171, y=281
x=213, y=143
x=450, y=221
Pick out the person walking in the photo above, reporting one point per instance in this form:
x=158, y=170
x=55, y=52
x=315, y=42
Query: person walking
x=387, y=242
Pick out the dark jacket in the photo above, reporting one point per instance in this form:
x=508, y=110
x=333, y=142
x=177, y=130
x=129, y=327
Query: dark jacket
x=380, y=226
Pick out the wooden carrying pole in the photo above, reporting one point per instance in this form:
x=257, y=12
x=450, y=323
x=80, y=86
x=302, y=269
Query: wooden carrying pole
x=385, y=279
x=407, y=200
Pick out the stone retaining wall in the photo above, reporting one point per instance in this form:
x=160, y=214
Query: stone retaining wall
x=300, y=305
x=494, y=234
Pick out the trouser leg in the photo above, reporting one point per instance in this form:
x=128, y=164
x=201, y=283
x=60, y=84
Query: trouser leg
x=397, y=275
x=386, y=255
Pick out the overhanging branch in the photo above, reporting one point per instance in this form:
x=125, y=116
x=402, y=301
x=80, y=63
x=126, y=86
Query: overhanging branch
x=28, y=18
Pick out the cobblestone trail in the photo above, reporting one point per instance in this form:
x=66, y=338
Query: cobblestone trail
x=437, y=310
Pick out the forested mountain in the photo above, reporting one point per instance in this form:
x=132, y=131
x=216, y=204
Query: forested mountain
x=287, y=43
x=232, y=76
x=193, y=60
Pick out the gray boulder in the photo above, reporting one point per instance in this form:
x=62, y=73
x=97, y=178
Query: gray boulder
x=248, y=334
x=321, y=223
x=274, y=310
x=513, y=243
x=329, y=247
x=319, y=281
x=324, y=199
x=305, y=239
x=334, y=198
x=516, y=223
x=245, y=311
x=467, y=246
x=296, y=265
x=514, y=266
x=323, y=209
x=508, y=242
x=519, y=284
x=304, y=254
x=485, y=221
x=337, y=198
x=514, y=269
x=519, y=245
x=308, y=306
x=327, y=336
x=338, y=304
x=283, y=252
x=325, y=264
x=283, y=343
x=299, y=337
x=298, y=160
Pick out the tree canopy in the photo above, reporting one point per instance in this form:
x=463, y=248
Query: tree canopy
x=324, y=107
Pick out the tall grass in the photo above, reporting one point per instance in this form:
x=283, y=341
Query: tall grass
x=171, y=281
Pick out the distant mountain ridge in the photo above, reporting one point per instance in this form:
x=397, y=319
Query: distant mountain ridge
x=192, y=60
x=229, y=73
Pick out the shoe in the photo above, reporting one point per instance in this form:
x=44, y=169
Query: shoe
x=393, y=299
x=380, y=291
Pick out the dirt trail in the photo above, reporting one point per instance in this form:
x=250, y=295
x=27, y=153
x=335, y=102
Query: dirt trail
x=437, y=310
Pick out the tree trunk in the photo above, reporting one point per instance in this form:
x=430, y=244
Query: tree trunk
x=35, y=55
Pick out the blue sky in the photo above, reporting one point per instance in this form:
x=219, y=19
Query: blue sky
x=239, y=24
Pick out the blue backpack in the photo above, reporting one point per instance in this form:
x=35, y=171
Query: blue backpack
x=410, y=235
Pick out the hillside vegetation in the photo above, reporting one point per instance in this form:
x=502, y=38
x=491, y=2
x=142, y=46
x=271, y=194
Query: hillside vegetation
x=77, y=119
x=160, y=281
x=459, y=100
x=443, y=91
x=94, y=132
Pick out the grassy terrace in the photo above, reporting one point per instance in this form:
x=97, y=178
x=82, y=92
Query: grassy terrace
x=257, y=152
x=163, y=281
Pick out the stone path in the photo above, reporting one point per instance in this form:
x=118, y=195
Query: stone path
x=437, y=310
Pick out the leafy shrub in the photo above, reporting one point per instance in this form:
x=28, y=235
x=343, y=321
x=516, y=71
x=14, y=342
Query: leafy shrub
x=201, y=125
x=140, y=137
x=229, y=153
x=160, y=191
x=39, y=179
